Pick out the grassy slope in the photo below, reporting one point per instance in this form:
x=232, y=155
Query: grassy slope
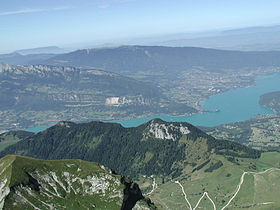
x=12, y=137
x=15, y=169
x=222, y=183
x=7, y=143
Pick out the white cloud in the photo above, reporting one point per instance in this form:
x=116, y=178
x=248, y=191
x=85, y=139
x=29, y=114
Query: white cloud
x=29, y=10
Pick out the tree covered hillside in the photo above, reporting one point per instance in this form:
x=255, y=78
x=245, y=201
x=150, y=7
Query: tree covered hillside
x=154, y=148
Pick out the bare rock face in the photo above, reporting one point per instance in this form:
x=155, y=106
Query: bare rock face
x=36, y=86
x=71, y=184
x=168, y=131
x=128, y=101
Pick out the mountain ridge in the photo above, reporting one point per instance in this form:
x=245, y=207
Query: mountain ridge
x=158, y=147
x=32, y=183
x=42, y=50
x=16, y=58
x=127, y=59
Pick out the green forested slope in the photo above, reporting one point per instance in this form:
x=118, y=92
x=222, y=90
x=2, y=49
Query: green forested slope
x=271, y=100
x=12, y=137
x=157, y=147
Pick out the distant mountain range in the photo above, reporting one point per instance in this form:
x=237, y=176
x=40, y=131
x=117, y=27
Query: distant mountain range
x=19, y=59
x=42, y=50
x=152, y=59
x=253, y=30
x=245, y=39
x=128, y=60
x=31, y=56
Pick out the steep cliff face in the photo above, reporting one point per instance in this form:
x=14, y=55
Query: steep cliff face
x=71, y=184
x=67, y=86
x=138, y=100
x=132, y=194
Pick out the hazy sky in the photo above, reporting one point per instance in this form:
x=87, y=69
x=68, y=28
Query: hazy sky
x=35, y=23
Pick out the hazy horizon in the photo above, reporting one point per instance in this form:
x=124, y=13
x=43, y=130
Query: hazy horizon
x=70, y=23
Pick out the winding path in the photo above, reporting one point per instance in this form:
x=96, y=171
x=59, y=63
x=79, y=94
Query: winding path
x=231, y=199
x=154, y=187
x=242, y=180
x=196, y=206
x=186, y=198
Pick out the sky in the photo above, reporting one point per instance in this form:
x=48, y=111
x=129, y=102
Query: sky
x=37, y=23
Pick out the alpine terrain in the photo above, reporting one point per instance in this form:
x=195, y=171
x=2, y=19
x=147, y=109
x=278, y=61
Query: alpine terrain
x=28, y=183
x=175, y=164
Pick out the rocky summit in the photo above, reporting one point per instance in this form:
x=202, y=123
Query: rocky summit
x=28, y=183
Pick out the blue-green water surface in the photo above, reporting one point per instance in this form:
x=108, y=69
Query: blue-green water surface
x=234, y=105
x=38, y=128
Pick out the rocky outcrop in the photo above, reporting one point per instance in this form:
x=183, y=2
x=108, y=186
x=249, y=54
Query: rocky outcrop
x=139, y=100
x=160, y=130
x=71, y=184
x=132, y=194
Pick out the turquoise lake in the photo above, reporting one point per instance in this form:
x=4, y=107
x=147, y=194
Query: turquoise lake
x=37, y=129
x=234, y=106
